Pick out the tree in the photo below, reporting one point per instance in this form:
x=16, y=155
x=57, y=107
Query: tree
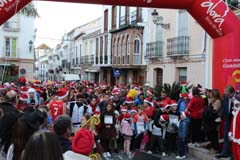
x=29, y=11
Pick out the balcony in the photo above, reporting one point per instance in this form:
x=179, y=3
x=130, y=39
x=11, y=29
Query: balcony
x=11, y=26
x=10, y=53
x=154, y=50
x=136, y=59
x=178, y=46
x=91, y=59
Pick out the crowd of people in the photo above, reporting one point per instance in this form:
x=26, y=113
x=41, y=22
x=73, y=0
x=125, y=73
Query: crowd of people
x=52, y=120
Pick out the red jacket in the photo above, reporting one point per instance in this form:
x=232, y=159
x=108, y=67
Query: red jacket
x=196, y=107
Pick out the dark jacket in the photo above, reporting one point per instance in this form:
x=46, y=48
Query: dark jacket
x=105, y=132
x=208, y=119
x=102, y=105
x=226, y=113
x=172, y=127
x=156, y=118
x=65, y=143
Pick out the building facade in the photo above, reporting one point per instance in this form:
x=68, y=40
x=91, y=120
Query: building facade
x=122, y=45
x=177, y=49
x=17, y=37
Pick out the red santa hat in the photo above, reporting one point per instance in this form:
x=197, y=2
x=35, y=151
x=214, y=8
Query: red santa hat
x=38, y=90
x=115, y=91
x=183, y=83
x=24, y=97
x=127, y=116
x=129, y=100
x=62, y=93
x=184, y=95
x=122, y=85
x=123, y=108
x=24, y=89
x=150, y=92
x=2, y=88
x=173, y=103
x=164, y=117
x=148, y=101
x=90, y=90
x=22, y=80
x=72, y=84
x=83, y=142
x=37, y=83
x=58, y=84
x=136, y=87
x=134, y=110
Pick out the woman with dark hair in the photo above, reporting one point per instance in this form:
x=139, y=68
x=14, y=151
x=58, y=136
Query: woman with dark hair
x=195, y=109
x=23, y=129
x=43, y=146
x=210, y=118
x=107, y=130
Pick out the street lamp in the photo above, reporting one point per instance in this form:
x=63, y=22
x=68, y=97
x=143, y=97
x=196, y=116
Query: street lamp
x=30, y=45
x=158, y=20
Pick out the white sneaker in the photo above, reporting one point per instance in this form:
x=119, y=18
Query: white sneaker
x=163, y=154
x=190, y=144
x=108, y=154
x=104, y=155
x=130, y=155
x=150, y=152
x=180, y=157
x=196, y=144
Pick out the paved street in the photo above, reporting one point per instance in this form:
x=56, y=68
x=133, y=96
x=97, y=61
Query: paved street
x=124, y=157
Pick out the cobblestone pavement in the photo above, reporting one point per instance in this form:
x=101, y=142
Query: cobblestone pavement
x=125, y=157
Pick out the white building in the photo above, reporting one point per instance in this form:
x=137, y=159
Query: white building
x=17, y=37
x=177, y=49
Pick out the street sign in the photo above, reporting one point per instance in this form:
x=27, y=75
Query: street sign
x=82, y=71
x=116, y=73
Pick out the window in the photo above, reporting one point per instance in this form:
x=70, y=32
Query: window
x=118, y=51
x=128, y=50
x=182, y=74
x=76, y=51
x=80, y=47
x=136, y=46
x=182, y=23
x=106, y=20
x=114, y=16
x=11, y=47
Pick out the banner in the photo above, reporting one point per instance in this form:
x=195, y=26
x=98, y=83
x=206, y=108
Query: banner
x=213, y=15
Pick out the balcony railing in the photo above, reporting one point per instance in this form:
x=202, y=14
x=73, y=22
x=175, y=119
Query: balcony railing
x=9, y=53
x=92, y=59
x=136, y=59
x=154, y=50
x=11, y=26
x=178, y=46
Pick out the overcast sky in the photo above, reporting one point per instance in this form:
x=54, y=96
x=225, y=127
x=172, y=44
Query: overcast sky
x=58, y=18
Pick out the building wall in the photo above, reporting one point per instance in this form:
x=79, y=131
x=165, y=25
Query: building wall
x=195, y=61
x=22, y=28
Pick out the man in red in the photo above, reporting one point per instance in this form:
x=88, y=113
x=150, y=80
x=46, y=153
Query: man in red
x=57, y=107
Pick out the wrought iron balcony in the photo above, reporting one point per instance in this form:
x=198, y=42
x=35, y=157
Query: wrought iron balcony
x=154, y=50
x=178, y=46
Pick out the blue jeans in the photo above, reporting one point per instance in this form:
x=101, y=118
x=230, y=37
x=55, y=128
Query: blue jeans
x=182, y=135
x=183, y=128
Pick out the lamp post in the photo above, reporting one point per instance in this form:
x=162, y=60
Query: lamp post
x=30, y=46
x=158, y=20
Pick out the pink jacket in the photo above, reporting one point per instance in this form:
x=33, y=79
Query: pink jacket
x=126, y=128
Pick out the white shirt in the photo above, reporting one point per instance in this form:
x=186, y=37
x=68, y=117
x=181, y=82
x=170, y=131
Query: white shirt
x=10, y=153
x=78, y=112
